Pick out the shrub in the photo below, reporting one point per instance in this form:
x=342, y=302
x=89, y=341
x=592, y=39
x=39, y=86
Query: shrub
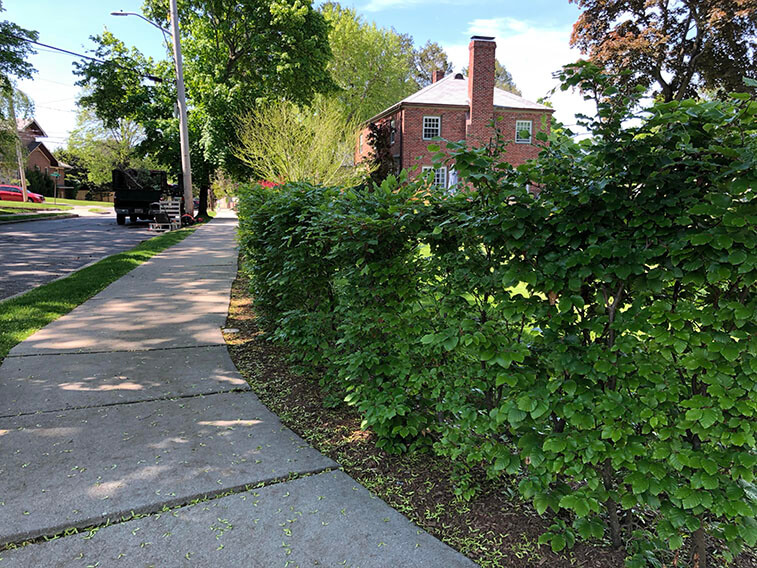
x=39, y=182
x=597, y=341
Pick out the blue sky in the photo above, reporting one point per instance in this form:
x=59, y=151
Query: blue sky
x=532, y=41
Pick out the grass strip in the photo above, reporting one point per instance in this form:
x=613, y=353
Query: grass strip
x=81, y=202
x=23, y=315
x=6, y=205
x=29, y=216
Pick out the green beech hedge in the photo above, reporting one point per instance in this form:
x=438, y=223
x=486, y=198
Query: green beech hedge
x=598, y=342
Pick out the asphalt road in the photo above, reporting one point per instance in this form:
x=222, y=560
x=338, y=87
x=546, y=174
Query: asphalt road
x=37, y=252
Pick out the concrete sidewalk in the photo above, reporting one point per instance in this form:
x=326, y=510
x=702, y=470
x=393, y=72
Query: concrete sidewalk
x=129, y=416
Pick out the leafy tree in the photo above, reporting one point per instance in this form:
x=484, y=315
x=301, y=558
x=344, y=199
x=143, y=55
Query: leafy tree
x=371, y=65
x=679, y=47
x=502, y=78
x=237, y=54
x=101, y=149
x=426, y=60
x=78, y=175
x=284, y=142
x=23, y=107
x=39, y=182
x=379, y=136
x=14, y=49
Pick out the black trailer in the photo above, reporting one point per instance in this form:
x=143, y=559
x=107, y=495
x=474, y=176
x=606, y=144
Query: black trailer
x=135, y=190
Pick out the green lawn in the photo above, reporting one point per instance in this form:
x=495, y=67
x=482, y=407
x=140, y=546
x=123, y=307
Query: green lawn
x=106, y=204
x=22, y=316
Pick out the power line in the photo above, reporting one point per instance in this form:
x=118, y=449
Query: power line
x=66, y=51
x=55, y=109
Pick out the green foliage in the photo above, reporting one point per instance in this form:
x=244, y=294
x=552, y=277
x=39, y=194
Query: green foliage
x=285, y=142
x=39, y=182
x=14, y=105
x=100, y=150
x=379, y=138
x=237, y=53
x=115, y=92
x=502, y=78
x=680, y=49
x=371, y=65
x=14, y=50
x=427, y=59
x=596, y=342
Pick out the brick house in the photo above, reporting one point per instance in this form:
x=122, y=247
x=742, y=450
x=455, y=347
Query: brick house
x=39, y=156
x=459, y=108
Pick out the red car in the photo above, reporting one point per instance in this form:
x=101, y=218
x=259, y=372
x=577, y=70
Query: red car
x=13, y=193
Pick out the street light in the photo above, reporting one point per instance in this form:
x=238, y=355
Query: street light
x=186, y=168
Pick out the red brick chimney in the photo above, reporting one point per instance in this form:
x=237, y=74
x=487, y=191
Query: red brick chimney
x=437, y=75
x=480, y=88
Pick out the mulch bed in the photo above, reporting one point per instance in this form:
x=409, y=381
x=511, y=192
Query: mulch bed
x=494, y=529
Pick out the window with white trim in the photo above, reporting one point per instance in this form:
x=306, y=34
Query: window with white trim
x=392, y=130
x=432, y=127
x=360, y=144
x=440, y=175
x=523, y=131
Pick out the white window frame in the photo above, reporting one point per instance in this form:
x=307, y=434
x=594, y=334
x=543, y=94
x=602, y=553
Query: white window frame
x=392, y=130
x=431, y=120
x=521, y=125
x=440, y=175
x=360, y=144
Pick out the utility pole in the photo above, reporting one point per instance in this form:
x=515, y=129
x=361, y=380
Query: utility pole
x=19, y=155
x=182, y=101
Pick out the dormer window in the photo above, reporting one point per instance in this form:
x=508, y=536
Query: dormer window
x=432, y=127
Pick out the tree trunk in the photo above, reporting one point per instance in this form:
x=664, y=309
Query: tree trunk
x=700, y=549
x=19, y=157
x=203, y=207
x=612, y=507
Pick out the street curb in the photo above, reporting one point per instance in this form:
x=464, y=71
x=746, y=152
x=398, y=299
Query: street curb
x=55, y=218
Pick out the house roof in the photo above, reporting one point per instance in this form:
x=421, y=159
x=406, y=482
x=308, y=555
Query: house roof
x=30, y=125
x=42, y=148
x=452, y=90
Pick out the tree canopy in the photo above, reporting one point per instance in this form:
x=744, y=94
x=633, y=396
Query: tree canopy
x=240, y=52
x=237, y=55
x=502, y=78
x=371, y=65
x=100, y=149
x=681, y=48
x=427, y=59
x=14, y=50
x=284, y=142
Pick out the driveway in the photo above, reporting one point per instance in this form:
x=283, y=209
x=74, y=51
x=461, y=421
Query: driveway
x=37, y=252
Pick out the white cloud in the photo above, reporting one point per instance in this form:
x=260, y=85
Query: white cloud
x=531, y=54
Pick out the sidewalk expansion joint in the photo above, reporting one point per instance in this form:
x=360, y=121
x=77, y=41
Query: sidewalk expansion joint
x=123, y=403
x=83, y=352
x=90, y=527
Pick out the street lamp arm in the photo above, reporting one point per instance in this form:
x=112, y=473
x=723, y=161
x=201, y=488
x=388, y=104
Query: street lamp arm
x=122, y=13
